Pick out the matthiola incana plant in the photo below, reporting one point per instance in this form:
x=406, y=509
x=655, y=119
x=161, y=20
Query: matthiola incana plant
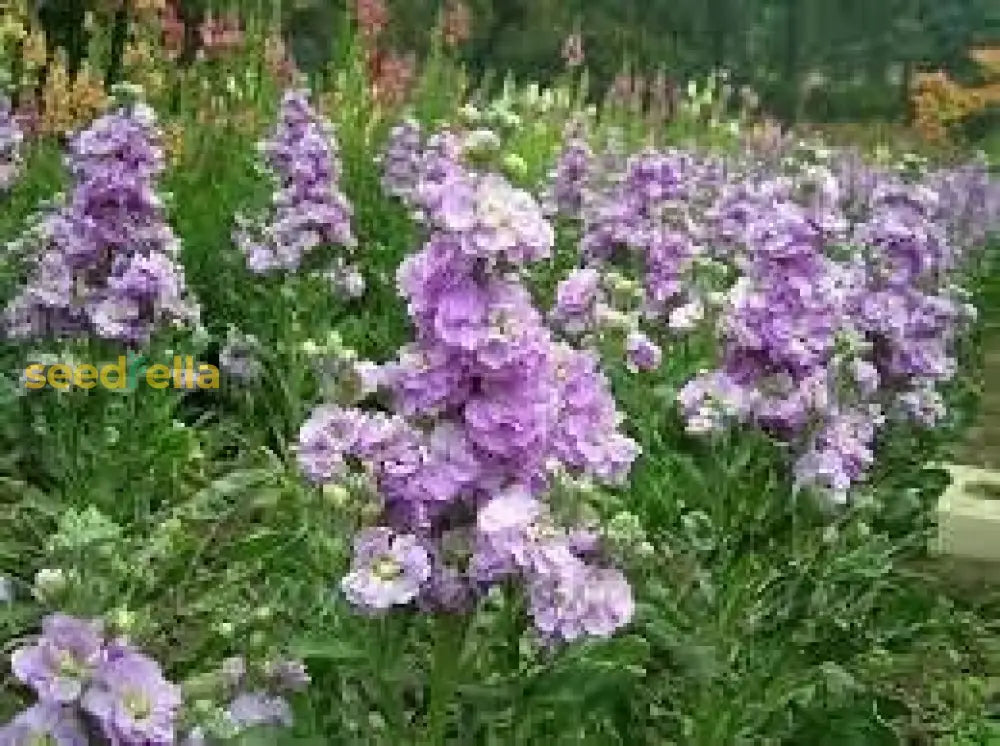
x=832, y=283
x=106, y=264
x=308, y=209
x=11, y=140
x=845, y=311
x=646, y=270
x=92, y=688
x=488, y=407
x=89, y=687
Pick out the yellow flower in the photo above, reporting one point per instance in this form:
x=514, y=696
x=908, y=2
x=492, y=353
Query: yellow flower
x=34, y=50
x=988, y=58
x=68, y=104
x=137, y=54
x=149, y=6
x=173, y=142
x=12, y=29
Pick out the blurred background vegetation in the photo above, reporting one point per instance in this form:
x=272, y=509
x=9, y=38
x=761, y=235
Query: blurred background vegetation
x=817, y=60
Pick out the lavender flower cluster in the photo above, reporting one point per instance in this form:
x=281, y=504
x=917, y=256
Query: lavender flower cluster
x=571, y=177
x=108, y=266
x=87, y=685
x=409, y=163
x=11, y=140
x=488, y=407
x=844, y=308
x=847, y=310
x=646, y=253
x=308, y=209
x=653, y=214
x=253, y=705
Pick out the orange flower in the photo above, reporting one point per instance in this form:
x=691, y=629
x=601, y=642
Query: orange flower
x=372, y=17
x=939, y=103
x=456, y=25
x=988, y=58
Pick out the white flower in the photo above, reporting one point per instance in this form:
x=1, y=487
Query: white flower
x=470, y=114
x=48, y=583
x=686, y=317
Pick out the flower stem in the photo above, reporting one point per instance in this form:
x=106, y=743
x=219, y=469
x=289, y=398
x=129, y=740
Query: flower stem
x=444, y=668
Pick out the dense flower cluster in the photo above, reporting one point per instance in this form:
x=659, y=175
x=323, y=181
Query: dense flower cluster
x=488, y=405
x=11, y=139
x=644, y=246
x=309, y=210
x=85, y=683
x=108, y=265
x=654, y=213
x=844, y=312
x=840, y=309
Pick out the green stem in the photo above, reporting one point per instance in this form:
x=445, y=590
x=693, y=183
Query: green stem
x=390, y=655
x=449, y=635
x=512, y=621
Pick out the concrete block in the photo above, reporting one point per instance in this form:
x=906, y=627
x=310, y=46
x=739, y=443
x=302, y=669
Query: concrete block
x=968, y=515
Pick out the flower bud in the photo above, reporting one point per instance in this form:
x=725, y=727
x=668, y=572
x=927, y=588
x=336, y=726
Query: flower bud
x=336, y=495
x=515, y=166
x=123, y=620
x=49, y=583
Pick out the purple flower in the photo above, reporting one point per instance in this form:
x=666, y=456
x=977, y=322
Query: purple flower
x=288, y=675
x=577, y=599
x=642, y=353
x=461, y=317
x=59, y=665
x=44, y=724
x=388, y=570
x=484, y=398
x=427, y=379
x=841, y=452
x=11, y=139
x=503, y=529
x=511, y=420
x=576, y=298
x=108, y=262
x=587, y=436
x=132, y=701
x=495, y=219
x=325, y=438
x=308, y=209
x=516, y=524
x=258, y=709
x=449, y=590
x=402, y=160
x=240, y=357
x=866, y=376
